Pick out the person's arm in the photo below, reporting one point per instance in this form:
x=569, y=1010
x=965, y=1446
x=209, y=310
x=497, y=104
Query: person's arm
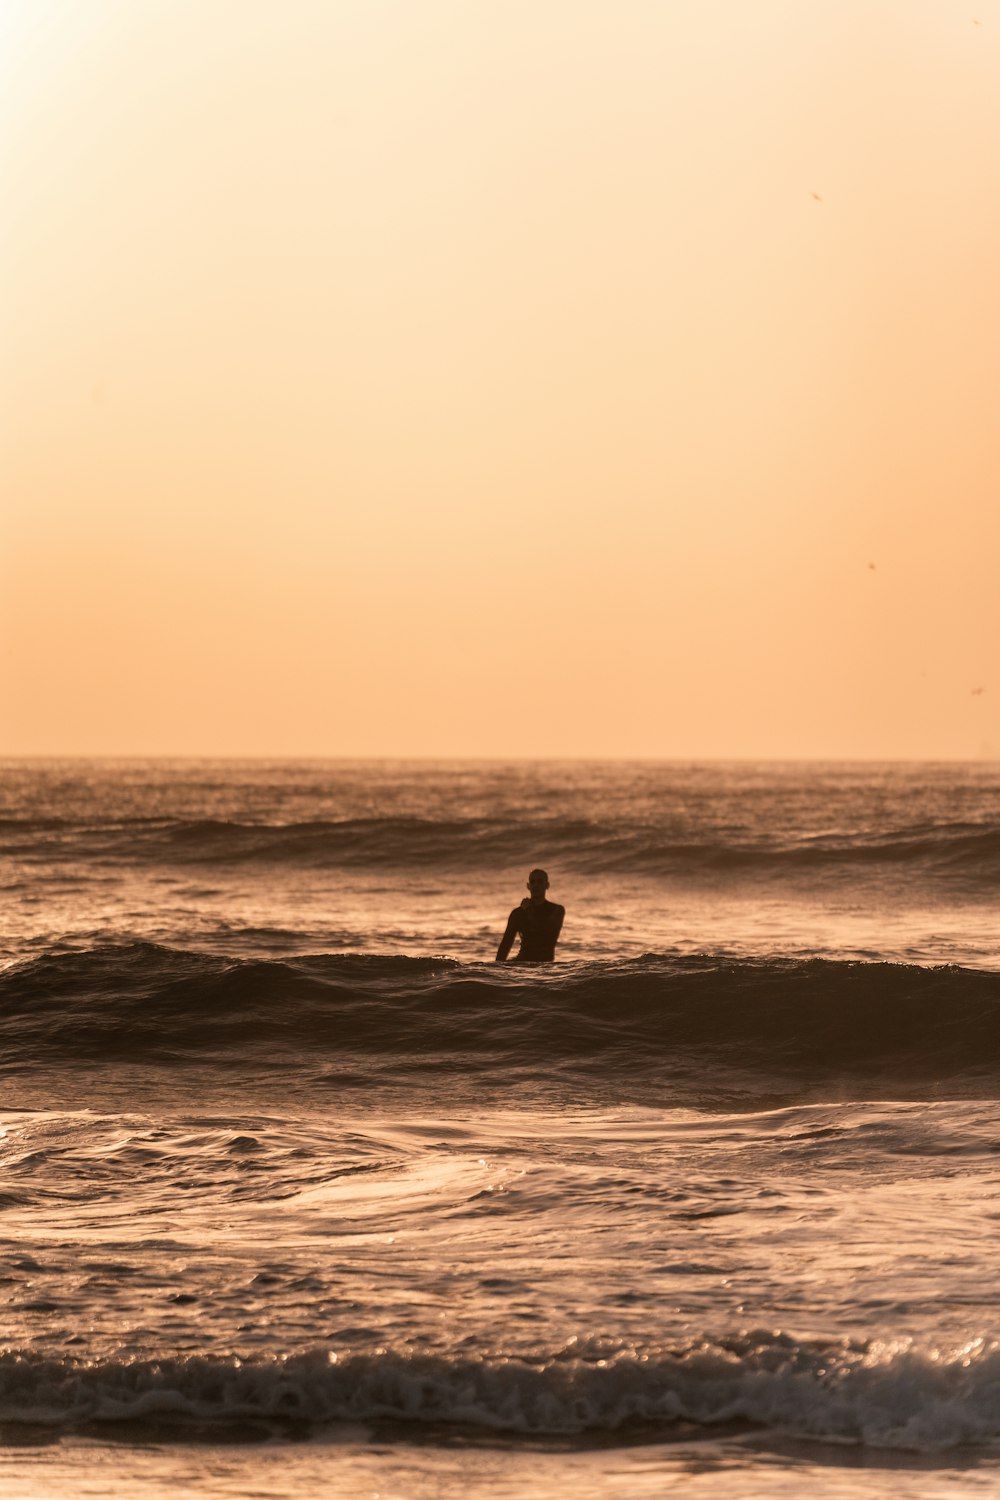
x=507, y=941
x=557, y=924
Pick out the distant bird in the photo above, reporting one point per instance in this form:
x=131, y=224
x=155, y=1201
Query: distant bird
x=817, y=197
x=872, y=566
x=976, y=23
x=976, y=692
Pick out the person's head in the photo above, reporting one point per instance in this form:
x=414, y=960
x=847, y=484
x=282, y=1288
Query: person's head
x=538, y=883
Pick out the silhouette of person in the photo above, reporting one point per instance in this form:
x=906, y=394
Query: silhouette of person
x=537, y=921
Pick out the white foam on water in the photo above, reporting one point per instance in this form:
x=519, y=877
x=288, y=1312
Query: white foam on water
x=884, y=1395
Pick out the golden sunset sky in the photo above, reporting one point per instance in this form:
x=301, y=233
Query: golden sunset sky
x=500, y=377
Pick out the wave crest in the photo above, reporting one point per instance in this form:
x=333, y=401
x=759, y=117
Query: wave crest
x=655, y=1020
x=970, y=851
x=896, y=1395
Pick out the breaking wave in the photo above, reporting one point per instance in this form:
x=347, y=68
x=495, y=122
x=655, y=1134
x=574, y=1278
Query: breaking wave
x=895, y=1395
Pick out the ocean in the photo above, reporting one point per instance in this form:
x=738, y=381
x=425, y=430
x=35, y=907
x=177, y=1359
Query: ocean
x=302, y=1194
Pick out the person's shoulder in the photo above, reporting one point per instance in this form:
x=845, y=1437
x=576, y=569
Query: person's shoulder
x=556, y=907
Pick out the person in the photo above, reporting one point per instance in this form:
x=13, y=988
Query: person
x=537, y=921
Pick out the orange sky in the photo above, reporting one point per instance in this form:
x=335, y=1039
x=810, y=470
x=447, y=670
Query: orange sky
x=500, y=377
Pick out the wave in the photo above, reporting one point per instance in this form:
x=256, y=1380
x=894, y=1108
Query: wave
x=964, y=850
x=676, y=1022
x=891, y=1395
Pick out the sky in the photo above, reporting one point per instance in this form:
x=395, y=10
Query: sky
x=569, y=378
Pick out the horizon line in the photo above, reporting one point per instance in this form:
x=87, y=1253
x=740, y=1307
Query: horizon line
x=452, y=758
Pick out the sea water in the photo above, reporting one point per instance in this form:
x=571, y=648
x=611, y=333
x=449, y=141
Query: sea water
x=302, y=1194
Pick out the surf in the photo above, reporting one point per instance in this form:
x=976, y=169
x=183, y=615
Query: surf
x=658, y=1021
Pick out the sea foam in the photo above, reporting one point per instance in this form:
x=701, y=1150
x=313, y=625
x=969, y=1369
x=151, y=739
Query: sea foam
x=891, y=1395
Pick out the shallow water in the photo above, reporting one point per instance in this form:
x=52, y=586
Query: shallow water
x=361, y=1466
x=710, y=1205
